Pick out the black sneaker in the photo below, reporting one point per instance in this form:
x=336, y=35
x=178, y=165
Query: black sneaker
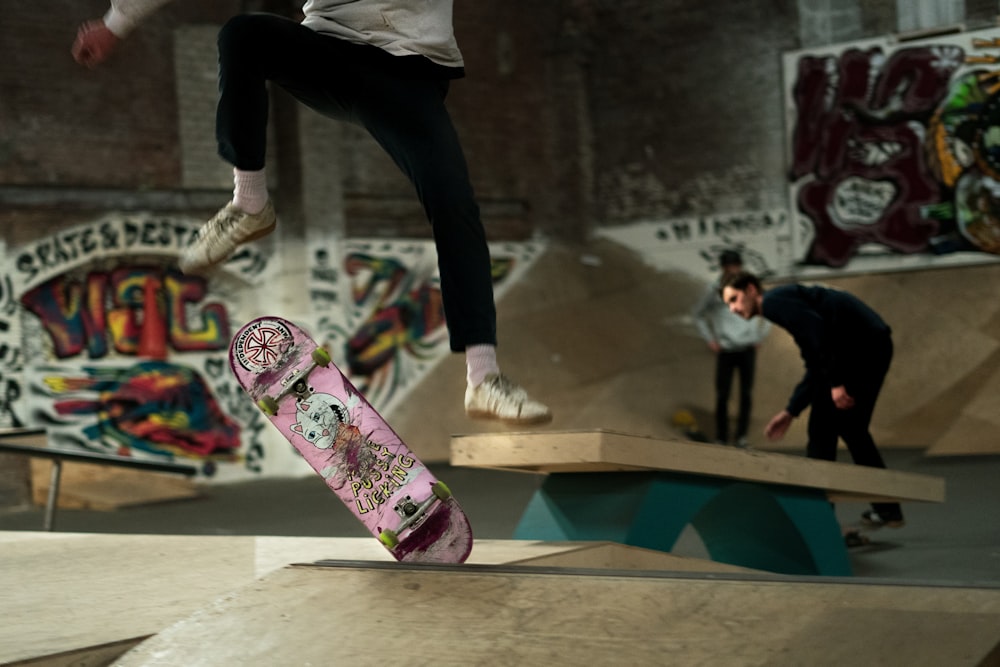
x=872, y=519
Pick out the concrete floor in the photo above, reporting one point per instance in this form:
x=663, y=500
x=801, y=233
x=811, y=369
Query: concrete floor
x=954, y=542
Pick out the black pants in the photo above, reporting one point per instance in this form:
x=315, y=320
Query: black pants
x=827, y=423
x=726, y=364
x=406, y=116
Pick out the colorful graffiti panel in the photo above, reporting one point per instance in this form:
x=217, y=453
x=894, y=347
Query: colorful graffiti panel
x=381, y=312
x=107, y=345
x=112, y=349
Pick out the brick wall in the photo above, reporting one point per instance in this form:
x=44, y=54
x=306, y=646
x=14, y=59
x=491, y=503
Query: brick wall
x=574, y=113
x=499, y=113
x=143, y=121
x=687, y=108
x=67, y=126
x=196, y=76
x=76, y=142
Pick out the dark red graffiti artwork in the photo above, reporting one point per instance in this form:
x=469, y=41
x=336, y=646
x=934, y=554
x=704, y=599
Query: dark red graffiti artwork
x=859, y=155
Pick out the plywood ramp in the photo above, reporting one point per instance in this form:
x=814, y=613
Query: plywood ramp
x=70, y=598
x=491, y=616
x=603, y=451
x=640, y=359
x=613, y=556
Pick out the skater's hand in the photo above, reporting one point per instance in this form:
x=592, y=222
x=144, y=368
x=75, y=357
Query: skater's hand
x=841, y=398
x=714, y=347
x=778, y=426
x=94, y=43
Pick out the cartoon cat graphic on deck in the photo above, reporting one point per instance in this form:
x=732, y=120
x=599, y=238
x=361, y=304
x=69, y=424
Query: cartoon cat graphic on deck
x=325, y=421
x=319, y=418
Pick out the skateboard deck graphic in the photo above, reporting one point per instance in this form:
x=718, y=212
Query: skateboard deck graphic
x=348, y=444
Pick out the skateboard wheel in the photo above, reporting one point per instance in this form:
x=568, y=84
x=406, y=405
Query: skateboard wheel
x=321, y=357
x=441, y=490
x=268, y=405
x=389, y=538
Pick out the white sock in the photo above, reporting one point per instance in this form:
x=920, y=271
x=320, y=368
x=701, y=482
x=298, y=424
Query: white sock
x=249, y=190
x=480, y=361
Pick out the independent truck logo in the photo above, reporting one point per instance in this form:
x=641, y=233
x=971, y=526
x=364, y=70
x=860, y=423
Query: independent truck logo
x=261, y=344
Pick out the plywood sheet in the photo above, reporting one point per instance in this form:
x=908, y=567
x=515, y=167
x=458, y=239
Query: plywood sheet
x=346, y=614
x=601, y=451
x=967, y=436
x=80, y=595
x=610, y=343
x=613, y=556
x=104, y=488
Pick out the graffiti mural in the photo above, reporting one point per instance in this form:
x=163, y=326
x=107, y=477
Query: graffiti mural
x=130, y=310
x=894, y=148
x=157, y=407
x=692, y=245
x=91, y=321
x=11, y=355
x=407, y=315
x=381, y=314
x=107, y=345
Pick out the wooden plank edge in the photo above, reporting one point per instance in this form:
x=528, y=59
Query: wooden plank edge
x=608, y=451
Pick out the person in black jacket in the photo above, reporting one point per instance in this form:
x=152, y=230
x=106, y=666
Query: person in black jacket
x=847, y=350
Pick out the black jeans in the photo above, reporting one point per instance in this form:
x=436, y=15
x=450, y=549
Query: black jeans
x=727, y=363
x=827, y=423
x=405, y=115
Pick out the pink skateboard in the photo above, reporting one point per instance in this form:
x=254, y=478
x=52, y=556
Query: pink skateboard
x=347, y=442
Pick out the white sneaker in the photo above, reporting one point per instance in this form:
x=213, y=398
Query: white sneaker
x=218, y=238
x=498, y=397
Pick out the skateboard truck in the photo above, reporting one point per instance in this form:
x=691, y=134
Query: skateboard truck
x=301, y=388
x=411, y=512
x=296, y=384
x=406, y=507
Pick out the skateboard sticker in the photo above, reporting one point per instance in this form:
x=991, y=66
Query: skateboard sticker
x=261, y=344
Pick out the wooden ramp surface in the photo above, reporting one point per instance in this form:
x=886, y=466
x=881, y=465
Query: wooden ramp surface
x=614, y=556
x=942, y=393
x=86, y=596
x=372, y=615
x=604, y=451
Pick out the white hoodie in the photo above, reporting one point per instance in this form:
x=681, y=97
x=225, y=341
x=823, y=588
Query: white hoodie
x=400, y=27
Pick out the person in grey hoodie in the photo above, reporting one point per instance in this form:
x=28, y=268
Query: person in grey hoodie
x=734, y=341
x=384, y=65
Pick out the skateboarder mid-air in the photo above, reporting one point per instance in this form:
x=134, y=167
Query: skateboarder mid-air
x=847, y=349
x=386, y=66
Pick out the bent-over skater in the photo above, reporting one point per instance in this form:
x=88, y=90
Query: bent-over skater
x=847, y=350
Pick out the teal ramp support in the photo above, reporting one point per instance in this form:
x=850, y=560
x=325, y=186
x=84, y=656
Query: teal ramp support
x=783, y=529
